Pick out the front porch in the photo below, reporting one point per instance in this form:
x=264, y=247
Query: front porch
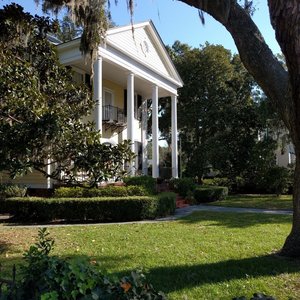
x=130, y=75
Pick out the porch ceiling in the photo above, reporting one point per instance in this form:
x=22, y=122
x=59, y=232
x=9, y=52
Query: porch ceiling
x=118, y=75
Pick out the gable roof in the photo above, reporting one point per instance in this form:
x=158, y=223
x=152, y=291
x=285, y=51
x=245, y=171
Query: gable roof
x=143, y=43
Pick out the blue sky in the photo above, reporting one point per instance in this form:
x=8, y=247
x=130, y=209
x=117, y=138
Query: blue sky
x=175, y=20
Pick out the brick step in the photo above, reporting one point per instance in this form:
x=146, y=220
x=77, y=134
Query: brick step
x=180, y=202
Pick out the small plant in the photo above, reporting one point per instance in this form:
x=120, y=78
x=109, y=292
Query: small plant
x=12, y=190
x=52, y=278
x=256, y=296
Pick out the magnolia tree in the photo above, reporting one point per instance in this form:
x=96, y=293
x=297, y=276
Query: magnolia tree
x=41, y=110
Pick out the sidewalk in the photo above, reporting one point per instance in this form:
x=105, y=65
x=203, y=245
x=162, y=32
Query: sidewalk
x=185, y=211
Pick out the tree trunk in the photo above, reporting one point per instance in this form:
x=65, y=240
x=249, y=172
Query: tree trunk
x=291, y=246
x=281, y=87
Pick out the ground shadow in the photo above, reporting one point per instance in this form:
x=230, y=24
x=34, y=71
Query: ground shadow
x=175, y=278
x=235, y=220
x=180, y=277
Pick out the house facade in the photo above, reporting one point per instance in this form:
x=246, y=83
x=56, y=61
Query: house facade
x=131, y=72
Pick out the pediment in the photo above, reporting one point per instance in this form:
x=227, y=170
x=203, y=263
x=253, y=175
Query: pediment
x=142, y=43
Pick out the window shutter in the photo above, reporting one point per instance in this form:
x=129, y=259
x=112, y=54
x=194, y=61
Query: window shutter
x=87, y=80
x=125, y=103
x=139, y=101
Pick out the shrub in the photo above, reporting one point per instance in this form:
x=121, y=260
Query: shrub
x=69, y=192
x=109, y=191
x=51, y=277
x=147, y=182
x=135, y=190
x=182, y=185
x=210, y=193
x=166, y=204
x=278, y=180
x=12, y=190
x=234, y=185
x=101, y=209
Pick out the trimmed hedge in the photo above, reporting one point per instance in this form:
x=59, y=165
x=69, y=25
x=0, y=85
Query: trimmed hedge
x=204, y=194
x=109, y=191
x=147, y=182
x=117, y=209
x=183, y=186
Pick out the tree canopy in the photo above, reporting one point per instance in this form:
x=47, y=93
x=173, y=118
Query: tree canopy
x=42, y=109
x=220, y=113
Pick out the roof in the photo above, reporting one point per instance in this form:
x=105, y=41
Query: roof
x=140, y=42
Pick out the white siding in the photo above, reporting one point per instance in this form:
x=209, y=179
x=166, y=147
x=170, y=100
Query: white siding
x=140, y=46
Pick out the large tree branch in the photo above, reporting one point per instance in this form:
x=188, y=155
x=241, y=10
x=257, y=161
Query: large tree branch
x=254, y=52
x=285, y=19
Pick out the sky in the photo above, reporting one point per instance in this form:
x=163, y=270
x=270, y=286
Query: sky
x=175, y=20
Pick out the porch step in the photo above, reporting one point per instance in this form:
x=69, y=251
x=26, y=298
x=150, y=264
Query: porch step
x=181, y=202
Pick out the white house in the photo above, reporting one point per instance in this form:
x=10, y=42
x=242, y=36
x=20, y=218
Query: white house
x=132, y=67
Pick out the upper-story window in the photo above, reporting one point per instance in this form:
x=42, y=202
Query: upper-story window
x=81, y=77
x=78, y=77
x=108, y=97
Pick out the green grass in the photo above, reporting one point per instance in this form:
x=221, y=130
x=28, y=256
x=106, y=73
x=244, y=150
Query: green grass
x=257, y=201
x=204, y=256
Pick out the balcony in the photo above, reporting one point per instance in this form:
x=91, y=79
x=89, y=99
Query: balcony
x=113, y=117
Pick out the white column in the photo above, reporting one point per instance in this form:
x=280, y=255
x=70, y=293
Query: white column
x=48, y=170
x=155, y=153
x=130, y=116
x=97, y=89
x=144, y=137
x=174, y=137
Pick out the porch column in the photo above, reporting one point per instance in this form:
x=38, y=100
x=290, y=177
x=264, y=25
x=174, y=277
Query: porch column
x=174, y=137
x=144, y=138
x=97, y=89
x=130, y=117
x=155, y=153
x=48, y=170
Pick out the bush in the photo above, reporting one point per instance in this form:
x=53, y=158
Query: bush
x=12, y=190
x=278, y=180
x=104, y=209
x=204, y=194
x=69, y=192
x=234, y=185
x=182, y=185
x=135, y=190
x=166, y=204
x=147, y=182
x=110, y=191
x=51, y=277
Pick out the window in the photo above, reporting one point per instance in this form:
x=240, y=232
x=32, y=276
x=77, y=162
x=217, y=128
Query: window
x=108, y=97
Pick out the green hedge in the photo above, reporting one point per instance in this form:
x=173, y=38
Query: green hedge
x=204, y=194
x=109, y=191
x=105, y=209
x=183, y=186
x=147, y=182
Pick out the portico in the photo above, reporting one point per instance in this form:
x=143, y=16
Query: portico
x=130, y=75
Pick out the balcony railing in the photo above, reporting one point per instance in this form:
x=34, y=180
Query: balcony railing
x=113, y=115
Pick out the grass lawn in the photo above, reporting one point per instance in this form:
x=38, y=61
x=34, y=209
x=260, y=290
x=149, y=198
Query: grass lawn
x=204, y=256
x=257, y=201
